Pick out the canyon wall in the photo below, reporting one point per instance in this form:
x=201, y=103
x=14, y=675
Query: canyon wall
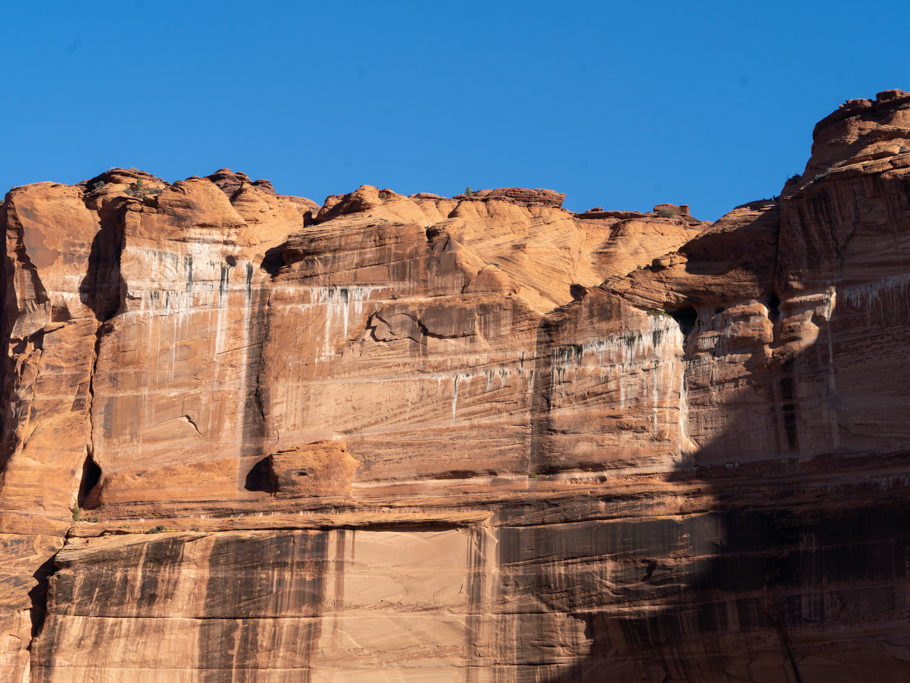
x=481, y=438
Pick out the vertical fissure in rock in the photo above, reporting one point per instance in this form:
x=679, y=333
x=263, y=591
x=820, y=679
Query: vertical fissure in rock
x=102, y=330
x=788, y=651
x=103, y=290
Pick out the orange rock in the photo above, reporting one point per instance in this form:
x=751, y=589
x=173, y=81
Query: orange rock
x=607, y=445
x=318, y=469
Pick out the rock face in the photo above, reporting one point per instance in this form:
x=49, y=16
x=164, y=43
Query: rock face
x=472, y=439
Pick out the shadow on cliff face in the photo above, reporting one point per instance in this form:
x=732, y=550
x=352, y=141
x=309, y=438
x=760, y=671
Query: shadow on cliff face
x=798, y=571
x=784, y=585
x=38, y=595
x=103, y=289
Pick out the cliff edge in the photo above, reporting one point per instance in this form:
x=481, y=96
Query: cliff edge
x=478, y=438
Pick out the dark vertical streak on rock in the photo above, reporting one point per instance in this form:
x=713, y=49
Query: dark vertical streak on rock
x=542, y=397
x=254, y=419
x=338, y=569
x=254, y=583
x=514, y=582
x=476, y=574
x=788, y=406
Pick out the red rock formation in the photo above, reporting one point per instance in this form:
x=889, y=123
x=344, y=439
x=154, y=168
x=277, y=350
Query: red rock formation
x=478, y=438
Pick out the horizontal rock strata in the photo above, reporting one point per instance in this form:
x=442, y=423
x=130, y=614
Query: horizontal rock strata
x=247, y=437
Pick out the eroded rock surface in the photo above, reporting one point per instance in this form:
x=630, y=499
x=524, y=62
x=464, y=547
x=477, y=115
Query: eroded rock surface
x=476, y=439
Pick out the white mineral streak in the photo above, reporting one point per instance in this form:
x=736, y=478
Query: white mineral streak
x=465, y=378
x=185, y=295
x=638, y=363
x=830, y=304
x=454, y=397
x=333, y=309
x=341, y=305
x=685, y=443
x=885, y=297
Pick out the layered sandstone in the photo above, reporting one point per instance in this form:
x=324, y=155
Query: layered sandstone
x=480, y=438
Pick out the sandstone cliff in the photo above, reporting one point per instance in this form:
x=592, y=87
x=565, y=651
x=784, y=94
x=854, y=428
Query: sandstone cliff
x=247, y=437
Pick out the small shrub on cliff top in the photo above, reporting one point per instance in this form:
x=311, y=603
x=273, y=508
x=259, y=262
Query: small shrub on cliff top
x=137, y=189
x=468, y=192
x=98, y=184
x=155, y=529
x=384, y=195
x=666, y=213
x=77, y=516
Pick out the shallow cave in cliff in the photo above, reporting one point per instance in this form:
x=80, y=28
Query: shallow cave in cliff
x=773, y=308
x=686, y=318
x=261, y=477
x=91, y=477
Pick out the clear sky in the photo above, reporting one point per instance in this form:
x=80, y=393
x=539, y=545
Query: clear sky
x=622, y=105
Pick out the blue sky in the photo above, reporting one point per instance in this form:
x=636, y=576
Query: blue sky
x=621, y=106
